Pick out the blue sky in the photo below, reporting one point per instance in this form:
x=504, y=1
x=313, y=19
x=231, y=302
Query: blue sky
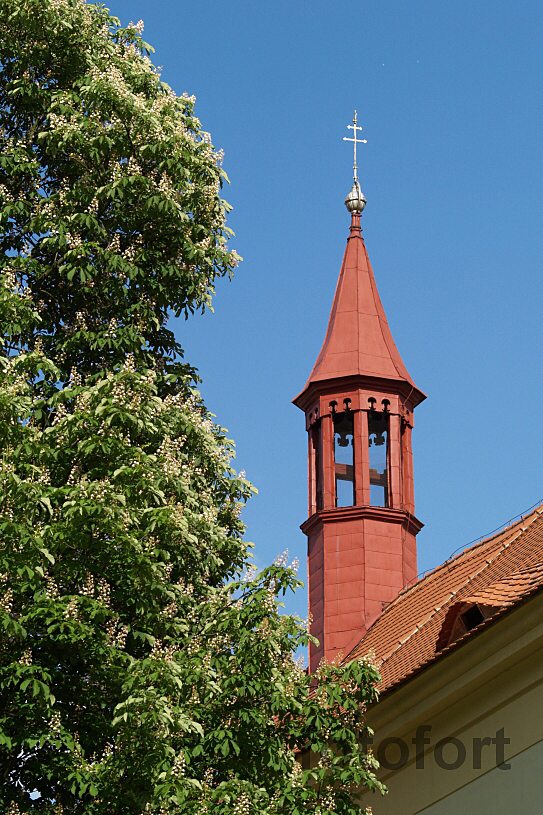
x=450, y=98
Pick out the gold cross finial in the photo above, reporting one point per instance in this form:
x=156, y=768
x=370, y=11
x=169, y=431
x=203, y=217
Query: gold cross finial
x=354, y=127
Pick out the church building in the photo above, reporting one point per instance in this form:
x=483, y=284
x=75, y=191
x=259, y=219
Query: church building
x=459, y=724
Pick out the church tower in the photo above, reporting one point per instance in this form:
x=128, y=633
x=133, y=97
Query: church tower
x=358, y=403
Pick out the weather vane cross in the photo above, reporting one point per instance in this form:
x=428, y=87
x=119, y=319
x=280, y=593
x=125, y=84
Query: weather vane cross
x=354, y=127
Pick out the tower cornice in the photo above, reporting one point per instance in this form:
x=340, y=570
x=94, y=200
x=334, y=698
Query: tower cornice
x=408, y=392
x=362, y=513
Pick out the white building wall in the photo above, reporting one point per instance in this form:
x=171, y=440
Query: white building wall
x=517, y=791
x=492, y=684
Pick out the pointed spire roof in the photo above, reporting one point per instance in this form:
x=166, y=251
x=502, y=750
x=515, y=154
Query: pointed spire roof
x=358, y=341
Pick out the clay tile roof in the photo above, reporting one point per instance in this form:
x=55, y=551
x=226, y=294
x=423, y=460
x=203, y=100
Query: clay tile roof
x=507, y=591
x=500, y=571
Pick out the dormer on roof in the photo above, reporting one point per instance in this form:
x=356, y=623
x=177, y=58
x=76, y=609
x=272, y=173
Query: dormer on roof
x=461, y=618
x=425, y=623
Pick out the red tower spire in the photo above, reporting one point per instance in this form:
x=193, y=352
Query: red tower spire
x=358, y=402
x=358, y=341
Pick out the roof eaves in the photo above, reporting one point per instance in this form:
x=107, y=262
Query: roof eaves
x=451, y=596
x=436, y=656
x=516, y=532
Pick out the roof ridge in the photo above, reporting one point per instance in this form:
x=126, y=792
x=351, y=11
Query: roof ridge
x=534, y=510
x=468, y=580
x=452, y=558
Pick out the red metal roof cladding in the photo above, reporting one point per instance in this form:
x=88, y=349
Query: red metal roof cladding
x=358, y=341
x=498, y=572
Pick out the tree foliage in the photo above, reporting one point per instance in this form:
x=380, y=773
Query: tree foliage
x=144, y=668
x=108, y=183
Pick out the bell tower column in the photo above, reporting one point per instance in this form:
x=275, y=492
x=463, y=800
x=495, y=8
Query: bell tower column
x=362, y=472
